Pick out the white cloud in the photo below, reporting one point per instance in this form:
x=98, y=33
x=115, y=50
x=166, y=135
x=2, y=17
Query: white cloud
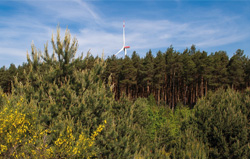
x=36, y=24
x=12, y=55
x=97, y=40
x=153, y=34
x=18, y=32
x=99, y=32
x=66, y=10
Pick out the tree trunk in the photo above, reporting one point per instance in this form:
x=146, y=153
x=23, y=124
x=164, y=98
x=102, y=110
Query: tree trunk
x=165, y=88
x=196, y=92
x=170, y=93
x=206, y=89
x=178, y=90
x=143, y=90
x=173, y=93
x=119, y=91
x=127, y=90
x=158, y=94
x=202, y=91
x=191, y=95
x=185, y=94
x=165, y=94
x=115, y=90
x=148, y=89
x=136, y=91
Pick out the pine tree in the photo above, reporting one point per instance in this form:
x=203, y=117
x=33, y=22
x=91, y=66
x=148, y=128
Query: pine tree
x=247, y=73
x=7, y=77
x=200, y=60
x=136, y=63
x=222, y=124
x=159, y=74
x=128, y=75
x=3, y=79
x=112, y=70
x=173, y=70
x=65, y=51
x=148, y=72
x=236, y=68
x=219, y=61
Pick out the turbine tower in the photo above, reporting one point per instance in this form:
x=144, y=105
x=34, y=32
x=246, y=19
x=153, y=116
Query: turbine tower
x=124, y=47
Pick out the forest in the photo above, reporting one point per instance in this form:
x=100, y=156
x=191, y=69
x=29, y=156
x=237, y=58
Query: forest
x=189, y=104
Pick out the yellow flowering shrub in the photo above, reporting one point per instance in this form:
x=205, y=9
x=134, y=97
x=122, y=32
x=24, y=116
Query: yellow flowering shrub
x=14, y=127
x=68, y=146
x=18, y=133
x=21, y=137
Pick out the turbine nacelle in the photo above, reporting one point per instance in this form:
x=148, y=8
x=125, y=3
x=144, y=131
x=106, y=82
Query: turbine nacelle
x=124, y=48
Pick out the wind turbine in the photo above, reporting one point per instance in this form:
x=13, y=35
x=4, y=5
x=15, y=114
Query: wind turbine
x=124, y=47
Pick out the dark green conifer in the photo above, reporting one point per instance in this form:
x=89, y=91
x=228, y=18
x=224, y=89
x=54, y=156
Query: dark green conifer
x=236, y=67
x=219, y=62
x=128, y=76
x=148, y=72
x=159, y=75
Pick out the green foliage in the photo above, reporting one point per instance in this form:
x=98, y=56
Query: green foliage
x=23, y=137
x=70, y=103
x=190, y=147
x=236, y=69
x=219, y=69
x=59, y=106
x=222, y=124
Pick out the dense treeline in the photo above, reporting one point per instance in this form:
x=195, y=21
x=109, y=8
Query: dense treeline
x=175, y=77
x=60, y=106
x=172, y=77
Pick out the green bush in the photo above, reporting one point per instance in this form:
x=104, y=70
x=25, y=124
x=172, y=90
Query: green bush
x=222, y=124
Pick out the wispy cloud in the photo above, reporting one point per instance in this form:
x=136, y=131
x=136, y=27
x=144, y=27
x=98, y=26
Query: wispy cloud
x=67, y=10
x=98, y=31
x=153, y=34
x=36, y=24
x=89, y=8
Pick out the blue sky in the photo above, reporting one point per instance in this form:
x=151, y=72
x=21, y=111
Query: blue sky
x=150, y=24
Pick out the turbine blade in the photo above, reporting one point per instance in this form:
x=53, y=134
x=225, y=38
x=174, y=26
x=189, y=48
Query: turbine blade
x=123, y=33
x=119, y=51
